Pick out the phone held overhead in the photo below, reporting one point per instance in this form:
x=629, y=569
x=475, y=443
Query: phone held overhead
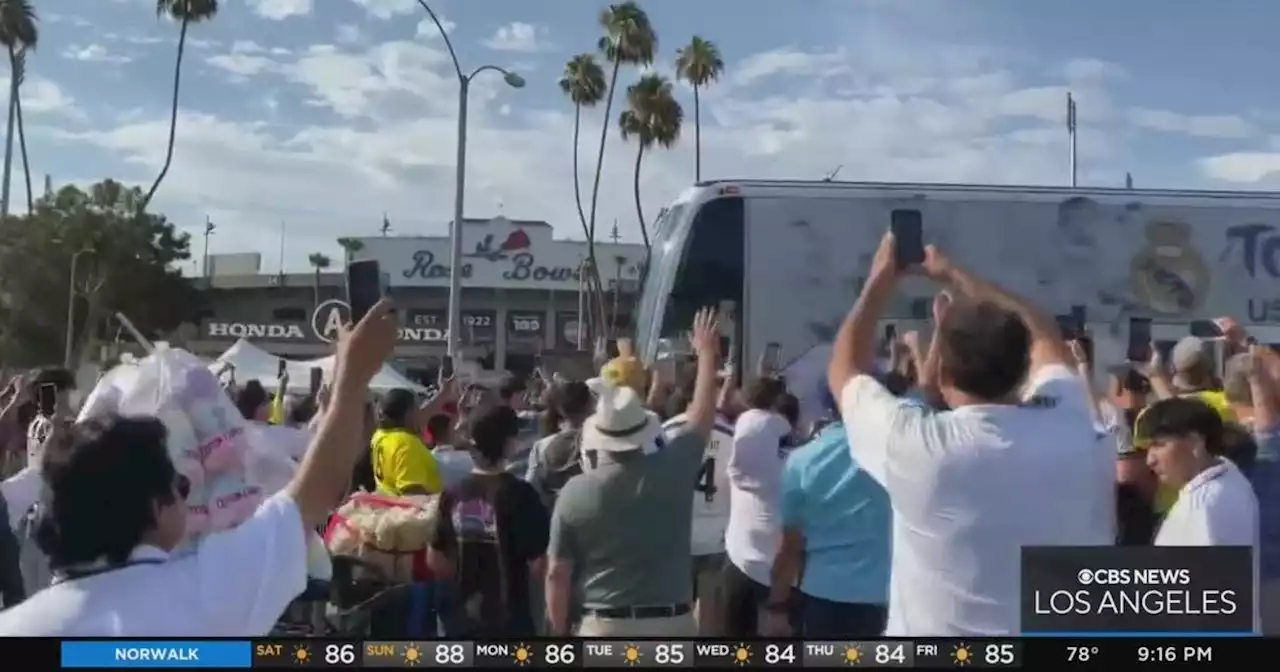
x=364, y=287
x=907, y=227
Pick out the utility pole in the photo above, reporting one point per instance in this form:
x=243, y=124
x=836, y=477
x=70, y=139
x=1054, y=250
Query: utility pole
x=208, y=231
x=1071, y=135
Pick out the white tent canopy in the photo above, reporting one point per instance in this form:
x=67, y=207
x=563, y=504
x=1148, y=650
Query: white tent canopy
x=386, y=379
x=252, y=362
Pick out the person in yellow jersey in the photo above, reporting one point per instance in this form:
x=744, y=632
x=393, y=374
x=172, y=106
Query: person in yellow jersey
x=1193, y=375
x=402, y=463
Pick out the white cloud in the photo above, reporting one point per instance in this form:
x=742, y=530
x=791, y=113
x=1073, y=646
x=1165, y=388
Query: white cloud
x=386, y=9
x=1243, y=167
x=94, y=53
x=1091, y=70
x=790, y=62
x=280, y=9
x=1204, y=126
x=519, y=37
x=427, y=28
x=42, y=96
x=349, y=34
x=245, y=59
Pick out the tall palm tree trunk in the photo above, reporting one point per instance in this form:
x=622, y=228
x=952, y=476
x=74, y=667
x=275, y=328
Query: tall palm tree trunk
x=173, y=113
x=577, y=181
x=644, y=229
x=604, y=138
x=22, y=143
x=595, y=282
x=8, y=138
x=697, y=136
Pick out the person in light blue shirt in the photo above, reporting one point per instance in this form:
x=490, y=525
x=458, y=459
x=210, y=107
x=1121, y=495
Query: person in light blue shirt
x=835, y=543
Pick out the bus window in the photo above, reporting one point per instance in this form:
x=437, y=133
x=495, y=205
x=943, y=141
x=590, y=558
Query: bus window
x=711, y=268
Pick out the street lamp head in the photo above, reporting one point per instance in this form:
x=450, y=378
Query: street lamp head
x=513, y=80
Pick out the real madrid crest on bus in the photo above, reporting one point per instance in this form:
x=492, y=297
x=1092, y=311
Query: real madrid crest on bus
x=328, y=319
x=1167, y=275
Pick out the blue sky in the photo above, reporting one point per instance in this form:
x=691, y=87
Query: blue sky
x=323, y=114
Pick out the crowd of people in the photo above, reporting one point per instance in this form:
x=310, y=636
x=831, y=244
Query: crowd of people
x=672, y=503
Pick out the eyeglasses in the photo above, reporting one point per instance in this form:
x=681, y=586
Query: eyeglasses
x=183, y=485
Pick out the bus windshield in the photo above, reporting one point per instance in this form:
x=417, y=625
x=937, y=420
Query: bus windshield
x=698, y=260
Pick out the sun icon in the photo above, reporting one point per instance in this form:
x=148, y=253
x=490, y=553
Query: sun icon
x=412, y=655
x=853, y=655
x=301, y=654
x=631, y=654
x=742, y=655
x=961, y=654
x=523, y=654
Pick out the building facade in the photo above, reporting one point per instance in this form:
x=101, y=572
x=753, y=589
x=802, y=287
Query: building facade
x=520, y=297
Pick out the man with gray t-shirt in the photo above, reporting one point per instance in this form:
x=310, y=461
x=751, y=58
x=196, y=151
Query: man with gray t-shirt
x=621, y=530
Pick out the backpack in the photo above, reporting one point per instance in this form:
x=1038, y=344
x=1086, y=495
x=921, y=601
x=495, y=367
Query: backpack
x=473, y=513
x=561, y=460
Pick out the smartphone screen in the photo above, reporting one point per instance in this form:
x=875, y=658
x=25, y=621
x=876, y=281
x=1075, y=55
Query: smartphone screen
x=1139, y=339
x=1067, y=325
x=317, y=379
x=908, y=236
x=772, y=357
x=364, y=287
x=282, y=367
x=48, y=399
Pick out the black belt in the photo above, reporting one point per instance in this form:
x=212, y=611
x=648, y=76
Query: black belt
x=631, y=613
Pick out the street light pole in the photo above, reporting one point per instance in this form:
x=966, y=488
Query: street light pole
x=455, y=229
x=71, y=309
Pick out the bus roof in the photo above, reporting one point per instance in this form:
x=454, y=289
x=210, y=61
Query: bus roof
x=907, y=190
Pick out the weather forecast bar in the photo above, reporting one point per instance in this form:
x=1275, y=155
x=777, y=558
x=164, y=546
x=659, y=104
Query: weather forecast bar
x=1082, y=651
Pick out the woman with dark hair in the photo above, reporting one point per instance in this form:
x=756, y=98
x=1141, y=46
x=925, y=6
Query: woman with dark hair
x=114, y=508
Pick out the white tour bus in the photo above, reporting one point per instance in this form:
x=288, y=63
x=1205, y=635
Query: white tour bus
x=789, y=257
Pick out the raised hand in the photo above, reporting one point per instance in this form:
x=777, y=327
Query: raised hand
x=364, y=348
x=705, y=336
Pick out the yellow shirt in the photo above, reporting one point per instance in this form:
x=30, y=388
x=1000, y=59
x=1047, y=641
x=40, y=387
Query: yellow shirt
x=401, y=460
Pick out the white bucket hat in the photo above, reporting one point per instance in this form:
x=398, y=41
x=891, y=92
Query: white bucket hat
x=621, y=422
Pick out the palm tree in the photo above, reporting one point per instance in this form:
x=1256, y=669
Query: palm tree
x=319, y=262
x=698, y=63
x=18, y=33
x=187, y=12
x=349, y=247
x=654, y=117
x=629, y=38
x=20, y=70
x=583, y=83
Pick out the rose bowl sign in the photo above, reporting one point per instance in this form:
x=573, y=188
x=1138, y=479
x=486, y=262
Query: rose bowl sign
x=329, y=317
x=501, y=253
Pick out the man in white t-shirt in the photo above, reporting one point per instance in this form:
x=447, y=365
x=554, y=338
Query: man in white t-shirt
x=760, y=446
x=972, y=485
x=1216, y=505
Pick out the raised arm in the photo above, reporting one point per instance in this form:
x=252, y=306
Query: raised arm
x=701, y=414
x=325, y=471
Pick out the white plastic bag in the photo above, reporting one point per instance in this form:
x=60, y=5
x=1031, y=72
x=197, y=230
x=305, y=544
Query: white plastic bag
x=205, y=433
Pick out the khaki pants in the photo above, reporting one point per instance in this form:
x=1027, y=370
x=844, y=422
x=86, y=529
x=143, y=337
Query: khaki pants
x=708, y=586
x=1269, y=599
x=667, y=626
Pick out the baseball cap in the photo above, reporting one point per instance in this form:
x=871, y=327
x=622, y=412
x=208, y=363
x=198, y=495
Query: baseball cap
x=1190, y=352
